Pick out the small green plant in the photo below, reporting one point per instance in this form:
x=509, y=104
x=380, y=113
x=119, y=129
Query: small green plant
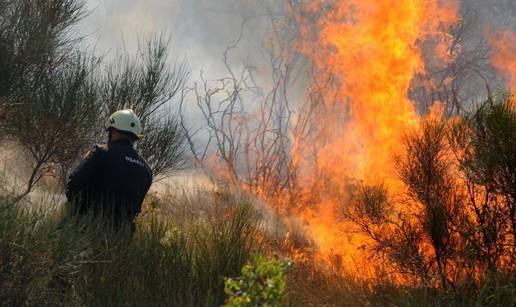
x=262, y=283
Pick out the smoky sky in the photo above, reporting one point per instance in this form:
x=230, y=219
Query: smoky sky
x=199, y=30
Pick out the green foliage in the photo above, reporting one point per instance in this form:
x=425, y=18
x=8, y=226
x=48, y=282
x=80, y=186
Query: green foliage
x=34, y=37
x=47, y=83
x=81, y=262
x=146, y=83
x=262, y=283
x=38, y=257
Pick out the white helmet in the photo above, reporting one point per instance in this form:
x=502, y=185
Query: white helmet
x=125, y=121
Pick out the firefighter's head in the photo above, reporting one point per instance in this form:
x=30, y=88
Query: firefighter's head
x=124, y=124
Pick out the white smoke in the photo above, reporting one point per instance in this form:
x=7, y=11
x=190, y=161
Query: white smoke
x=200, y=30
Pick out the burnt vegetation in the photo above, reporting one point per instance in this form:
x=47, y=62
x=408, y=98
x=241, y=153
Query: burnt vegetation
x=447, y=237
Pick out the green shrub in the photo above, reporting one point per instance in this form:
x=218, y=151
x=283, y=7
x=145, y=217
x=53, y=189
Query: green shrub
x=262, y=283
x=81, y=262
x=39, y=258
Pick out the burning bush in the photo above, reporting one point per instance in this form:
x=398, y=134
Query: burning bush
x=454, y=221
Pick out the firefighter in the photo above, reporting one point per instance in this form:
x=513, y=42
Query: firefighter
x=112, y=179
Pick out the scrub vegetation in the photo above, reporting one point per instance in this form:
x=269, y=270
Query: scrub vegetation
x=81, y=262
x=447, y=238
x=207, y=257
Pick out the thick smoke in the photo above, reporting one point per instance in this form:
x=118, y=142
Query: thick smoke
x=200, y=30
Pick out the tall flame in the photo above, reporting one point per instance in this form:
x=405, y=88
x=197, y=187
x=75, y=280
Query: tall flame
x=371, y=47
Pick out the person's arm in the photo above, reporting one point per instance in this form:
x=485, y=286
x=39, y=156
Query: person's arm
x=146, y=190
x=84, y=174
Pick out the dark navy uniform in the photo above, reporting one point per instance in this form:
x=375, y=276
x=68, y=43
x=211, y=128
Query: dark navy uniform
x=112, y=179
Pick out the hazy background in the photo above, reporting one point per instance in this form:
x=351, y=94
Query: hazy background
x=199, y=30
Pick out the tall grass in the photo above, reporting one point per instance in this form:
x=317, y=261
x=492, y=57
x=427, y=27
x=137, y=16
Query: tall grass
x=81, y=262
x=180, y=257
x=310, y=284
x=36, y=256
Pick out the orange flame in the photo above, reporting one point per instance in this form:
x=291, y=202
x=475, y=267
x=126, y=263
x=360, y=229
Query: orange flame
x=371, y=47
x=503, y=55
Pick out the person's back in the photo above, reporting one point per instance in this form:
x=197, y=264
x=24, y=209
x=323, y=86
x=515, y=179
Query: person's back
x=112, y=179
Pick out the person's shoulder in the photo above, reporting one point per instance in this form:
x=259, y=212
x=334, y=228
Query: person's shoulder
x=149, y=170
x=101, y=147
x=145, y=164
x=96, y=151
